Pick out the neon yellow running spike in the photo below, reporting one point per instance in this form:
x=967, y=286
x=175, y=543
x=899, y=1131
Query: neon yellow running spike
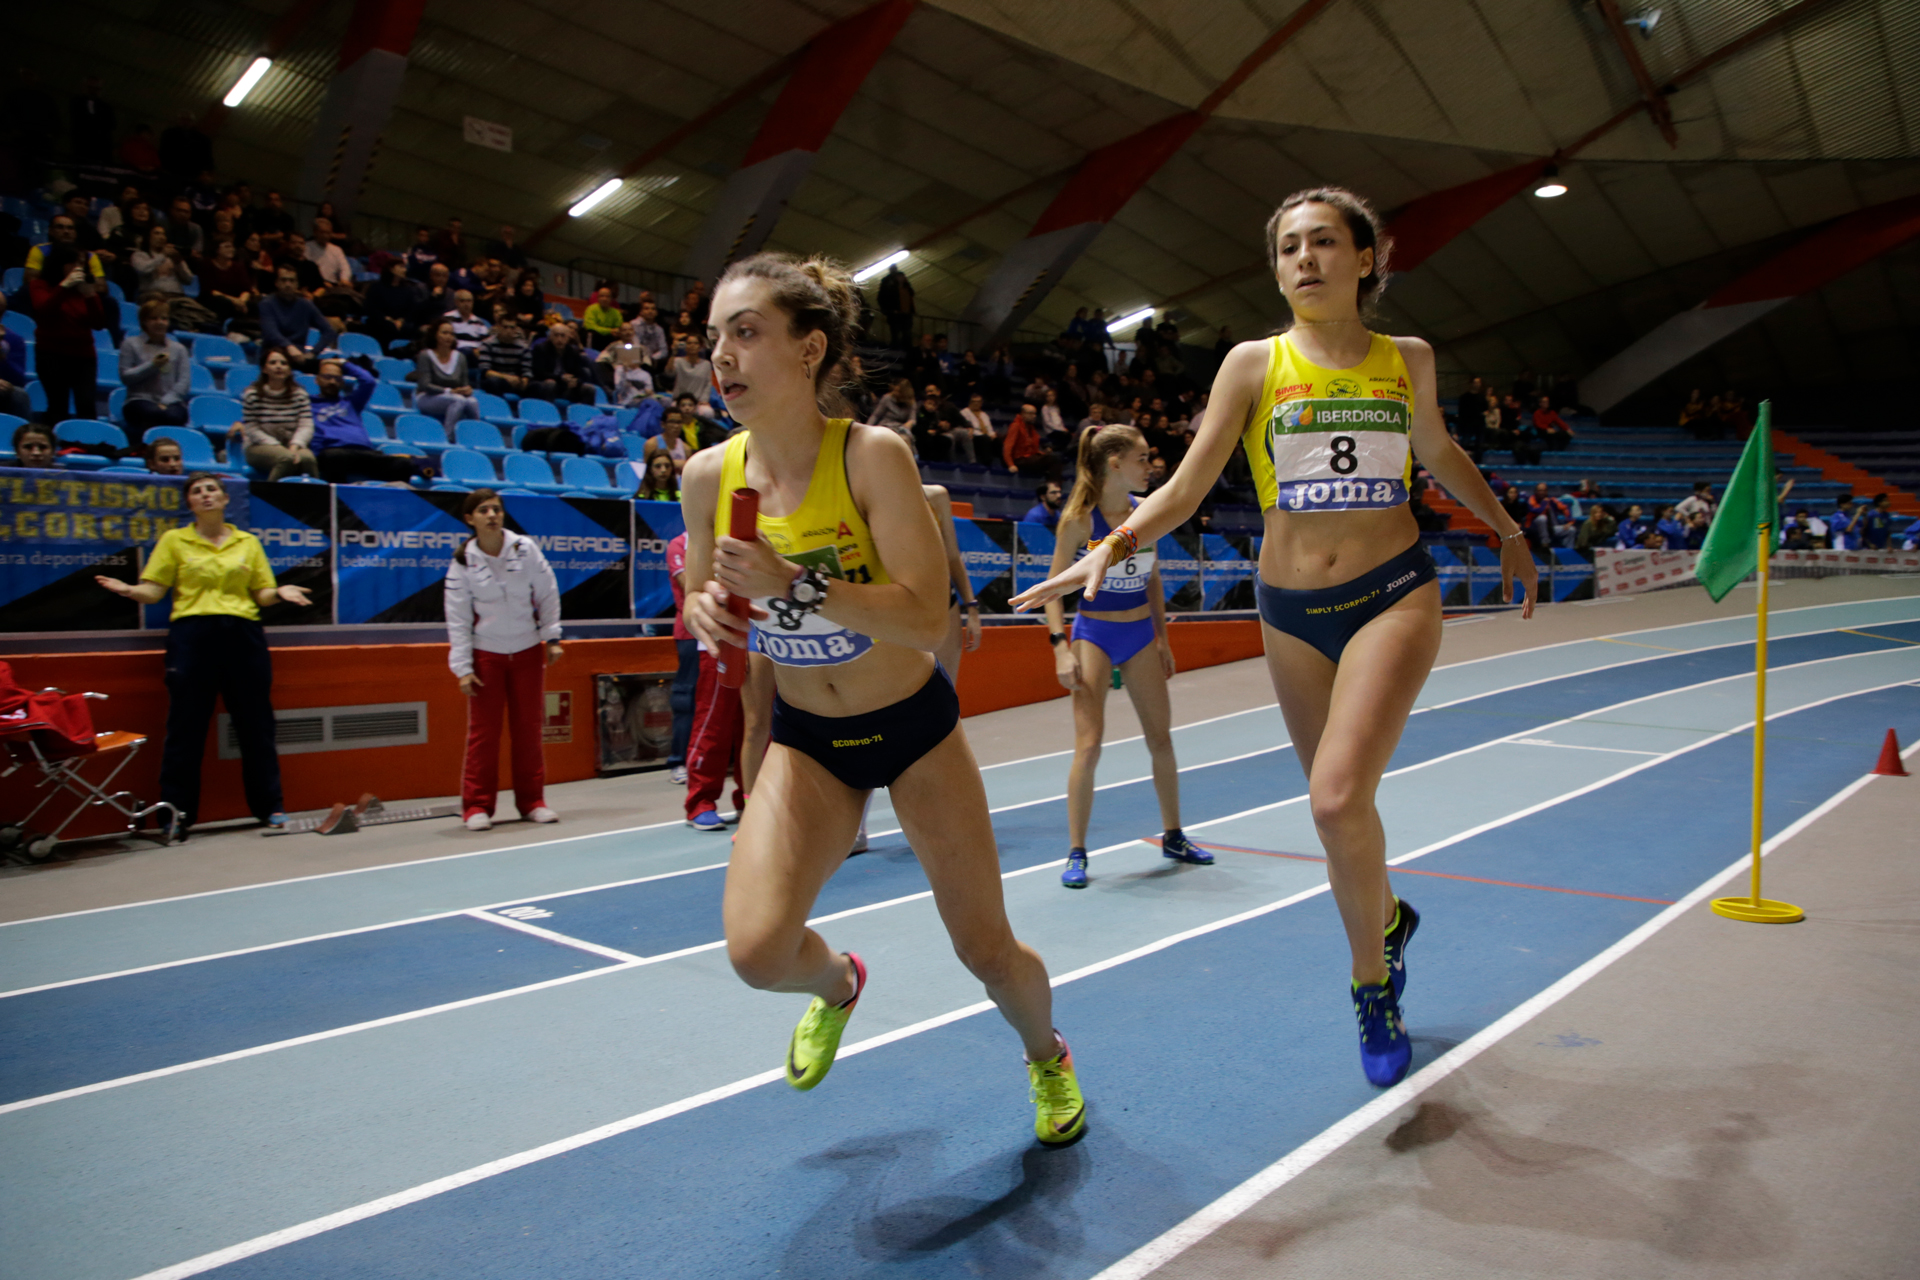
x=817, y=1038
x=1060, y=1113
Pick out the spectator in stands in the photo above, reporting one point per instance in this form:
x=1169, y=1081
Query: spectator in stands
x=13, y=369
x=1796, y=532
x=1493, y=424
x=1631, y=527
x=340, y=441
x=894, y=300
x=659, y=482
x=260, y=261
x=288, y=316
x=66, y=302
x=62, y=230
x=504, y=361
x=421, y=255
x=1470, y=410
x=896, y=410
x=438, y=299
x=690, y=371
x=650, y=337
x=670, y=443
x=1022, y=450
x=340, y=296
x=392, y=302
x=163, y=457
x=129, y=233
x=34, y=447
x=1549, y=523
x=1555, y=433
x=442, y=386
x=1693, y=414
x=511, y=255
x=1527, y=437
x=159, y=267
x=156, y=371
x=226, y=285
x=469, y=329
x=1700, y=500
x=528, y=304
x=683, y=329
x=621, y=370
x=1673, y=530
x=1733, y=414
x=922, y=363
x=1515, y=504
x=973, y=435
x=559, y=370
x=1598, y=530
x=1046, y=507
x=1696, y=526
x=450, y=245
x=695, y=300
x=1874, y=524
x=603, y=319
x=1053, y=421
x=220, y=580
x=490, y=287
x=1586, y=491
x=182, y=230
x=933, y=426
x=271, y=220
x=276, y=425
x=503, y=621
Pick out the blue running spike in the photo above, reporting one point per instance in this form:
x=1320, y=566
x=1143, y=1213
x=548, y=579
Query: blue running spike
x=1075, y=876
x=1385, y=1050
x=1397, y=939
x=1175, y=845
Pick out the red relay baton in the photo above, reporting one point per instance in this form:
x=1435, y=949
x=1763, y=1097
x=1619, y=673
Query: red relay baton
x=743, y=522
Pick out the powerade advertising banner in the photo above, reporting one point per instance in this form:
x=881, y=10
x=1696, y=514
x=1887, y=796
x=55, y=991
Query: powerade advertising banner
x=1034, y=559
x=393, y=547
x=58, y=529
x=294, y=523
x=1226, y=578
x=655, y=524
x=1179, y=562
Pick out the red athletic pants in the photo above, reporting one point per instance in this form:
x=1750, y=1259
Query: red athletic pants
x=715, y=748
x=513, y=683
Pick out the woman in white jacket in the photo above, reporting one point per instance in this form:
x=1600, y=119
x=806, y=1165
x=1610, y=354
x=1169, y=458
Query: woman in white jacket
x=503, y=619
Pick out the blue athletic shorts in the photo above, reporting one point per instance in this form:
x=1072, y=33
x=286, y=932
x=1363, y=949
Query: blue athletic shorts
x=1118, y=640
x=1328, y=617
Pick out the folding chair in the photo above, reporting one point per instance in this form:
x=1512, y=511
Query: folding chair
x=52, y=731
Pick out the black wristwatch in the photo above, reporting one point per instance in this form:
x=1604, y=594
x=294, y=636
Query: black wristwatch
x=1056, y=637
x=808, y=591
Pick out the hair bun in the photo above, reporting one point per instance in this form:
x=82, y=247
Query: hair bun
x=837, y=281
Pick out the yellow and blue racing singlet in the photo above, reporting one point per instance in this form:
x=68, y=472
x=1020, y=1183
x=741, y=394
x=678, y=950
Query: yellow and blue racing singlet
x=826, y=533
x=1332, y=439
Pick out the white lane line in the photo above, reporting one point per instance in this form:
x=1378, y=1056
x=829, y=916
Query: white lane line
x=1513, y=653
x=1345, y=1129
x=345, y=933
x=578, y=944
x=1575, y=746
x=714, y=866
x=1155, y=1254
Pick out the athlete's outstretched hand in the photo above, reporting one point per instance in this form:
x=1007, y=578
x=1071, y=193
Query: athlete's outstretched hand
x=1516, y=561
x=1085, y=574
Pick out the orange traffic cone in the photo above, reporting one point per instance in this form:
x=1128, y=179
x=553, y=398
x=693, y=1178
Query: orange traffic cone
x=1890, y=766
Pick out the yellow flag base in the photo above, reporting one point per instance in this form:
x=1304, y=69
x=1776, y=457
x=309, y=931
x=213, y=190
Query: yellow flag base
x=1760, y=911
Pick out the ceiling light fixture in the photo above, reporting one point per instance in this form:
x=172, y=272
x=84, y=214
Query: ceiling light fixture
x=1550, y=185
x=1646, y=20
x=1127, y=322
x=868, y=272
x=600, y=193
x=244, y=85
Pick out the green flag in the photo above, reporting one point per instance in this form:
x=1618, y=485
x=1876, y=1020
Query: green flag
x=1749, y=512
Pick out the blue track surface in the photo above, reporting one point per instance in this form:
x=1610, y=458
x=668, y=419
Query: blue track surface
x=1203, y=1062
x=94, y=1031
x=91, y=1031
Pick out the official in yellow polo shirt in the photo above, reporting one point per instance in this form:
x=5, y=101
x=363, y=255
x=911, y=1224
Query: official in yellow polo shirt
x=220, y=578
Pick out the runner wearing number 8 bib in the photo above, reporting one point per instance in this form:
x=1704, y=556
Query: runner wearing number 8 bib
x=1127, y=631
x=1331, y=416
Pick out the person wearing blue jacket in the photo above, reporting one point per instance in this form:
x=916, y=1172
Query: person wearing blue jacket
x=340, y=439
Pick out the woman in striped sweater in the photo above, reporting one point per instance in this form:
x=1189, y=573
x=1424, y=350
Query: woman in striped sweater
x=277, y=421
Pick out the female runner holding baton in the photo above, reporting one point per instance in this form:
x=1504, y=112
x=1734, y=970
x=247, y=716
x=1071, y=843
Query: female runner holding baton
x=846, y=583
x=1347, y=596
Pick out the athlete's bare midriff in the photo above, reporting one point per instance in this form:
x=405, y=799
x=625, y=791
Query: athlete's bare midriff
x=1305, y=552
x=880, y=677
x=1134, y=614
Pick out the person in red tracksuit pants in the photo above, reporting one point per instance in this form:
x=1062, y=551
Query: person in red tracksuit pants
x=503, y=619
x=718, y=734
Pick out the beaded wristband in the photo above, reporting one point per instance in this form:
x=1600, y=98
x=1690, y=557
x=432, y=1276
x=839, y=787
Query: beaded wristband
x=1124, y=540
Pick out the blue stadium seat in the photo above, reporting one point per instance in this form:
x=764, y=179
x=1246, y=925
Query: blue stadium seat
x=214, y=415
x=516, y=493
x=420, y=431
x=599, y=394
x=587, y=474
x=102, y=340
x=129, y=316
x=400, y=448
x=212, y=349
x=358, y=344
x=481, y=437
x=124, y=469
x=115, y=404
x=200, y=381
x=299, y=479
x=33, y=364
x=308, y=383
x=21, y=323
x=13, y=279
x=495, y=410
x=529, y=472
x=582, y=413
x=195, y=453
x=88, y=431
x=636, y=447
x=394, y=371
x=386, y=399
x=538, y=413
x=36, y=398
x=115, y=292
x=466, y=468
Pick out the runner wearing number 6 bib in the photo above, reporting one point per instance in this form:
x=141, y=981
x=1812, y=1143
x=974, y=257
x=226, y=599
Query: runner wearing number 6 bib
x=1128, y=630
x=1331, y=416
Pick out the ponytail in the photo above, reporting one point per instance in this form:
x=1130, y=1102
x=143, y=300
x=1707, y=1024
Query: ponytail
x=1098, y=448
